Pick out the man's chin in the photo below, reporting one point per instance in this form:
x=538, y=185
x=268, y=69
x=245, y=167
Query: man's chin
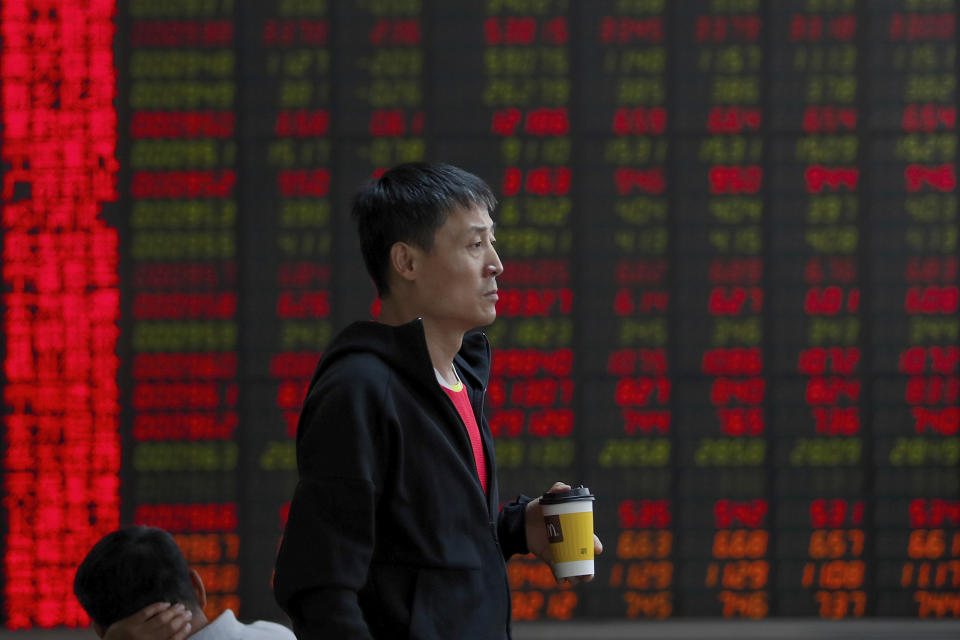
x=485, y=319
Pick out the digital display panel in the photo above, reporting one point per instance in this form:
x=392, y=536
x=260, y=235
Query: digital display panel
x=61, y=303
x=730, y=304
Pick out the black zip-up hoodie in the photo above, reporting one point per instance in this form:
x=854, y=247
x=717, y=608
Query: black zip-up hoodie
x=390, y=534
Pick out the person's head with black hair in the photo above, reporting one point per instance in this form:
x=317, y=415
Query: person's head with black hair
x=131, y=568
x=409, y=204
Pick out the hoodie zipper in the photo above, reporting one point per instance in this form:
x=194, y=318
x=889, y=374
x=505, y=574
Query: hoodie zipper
x=478, y=415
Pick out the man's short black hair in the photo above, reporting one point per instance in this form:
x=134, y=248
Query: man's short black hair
x=129, y=569
x=409, y=203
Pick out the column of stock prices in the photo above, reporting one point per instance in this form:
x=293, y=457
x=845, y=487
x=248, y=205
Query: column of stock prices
x=818, y=447
x=912, y=151
x=286, y=257
x=722, y=358
x=730, y=304
x=626, y=324
x=178, y=156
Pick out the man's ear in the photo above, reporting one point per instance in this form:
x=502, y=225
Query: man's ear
x=404, y=260
x=198, y=589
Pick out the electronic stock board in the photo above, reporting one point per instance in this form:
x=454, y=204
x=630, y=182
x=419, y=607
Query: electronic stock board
x=729, y=304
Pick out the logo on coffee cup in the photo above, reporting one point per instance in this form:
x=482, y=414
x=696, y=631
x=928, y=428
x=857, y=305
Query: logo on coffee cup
x=554, y=530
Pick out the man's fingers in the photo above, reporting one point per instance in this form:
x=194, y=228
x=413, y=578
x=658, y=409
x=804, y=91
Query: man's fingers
x=151, y=610
x=164, y=617
x=181, y=620
x=168, y=629
x=176, y=626
x=597, y=545
x=183, y=633
x=559, y=486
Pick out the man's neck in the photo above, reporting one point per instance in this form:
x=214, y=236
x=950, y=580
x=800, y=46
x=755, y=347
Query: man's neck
x=442, y=343
x=443, y=347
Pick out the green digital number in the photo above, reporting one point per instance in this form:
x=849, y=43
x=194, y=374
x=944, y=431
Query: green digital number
x=730, y=452
x=185, y=456
x=551, y=453
x=184, y=336
x=825, y=452
x=509, y=453
x=645, y=452
x=279, y=456
x=304, y=335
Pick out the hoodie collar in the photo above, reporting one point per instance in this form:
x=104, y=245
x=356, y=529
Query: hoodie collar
x=404, y=348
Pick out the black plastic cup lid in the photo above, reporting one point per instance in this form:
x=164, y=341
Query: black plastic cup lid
x=576, y=494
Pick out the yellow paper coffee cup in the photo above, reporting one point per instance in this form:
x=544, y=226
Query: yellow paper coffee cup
x=568, y=516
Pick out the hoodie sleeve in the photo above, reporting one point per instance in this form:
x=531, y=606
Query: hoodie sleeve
x=511, y=527
x=328, y=542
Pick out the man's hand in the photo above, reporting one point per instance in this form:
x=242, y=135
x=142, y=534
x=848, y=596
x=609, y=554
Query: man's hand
x=537, y=540
x=158, y=621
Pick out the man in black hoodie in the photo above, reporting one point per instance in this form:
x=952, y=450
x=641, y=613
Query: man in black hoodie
x=395, y=529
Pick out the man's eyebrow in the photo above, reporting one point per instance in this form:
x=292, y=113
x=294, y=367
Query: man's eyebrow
x=481, y=228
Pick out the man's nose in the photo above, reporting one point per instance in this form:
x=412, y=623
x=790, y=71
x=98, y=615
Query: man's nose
x=494, y=267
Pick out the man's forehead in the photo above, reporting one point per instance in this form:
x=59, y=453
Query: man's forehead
x=470, y=220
